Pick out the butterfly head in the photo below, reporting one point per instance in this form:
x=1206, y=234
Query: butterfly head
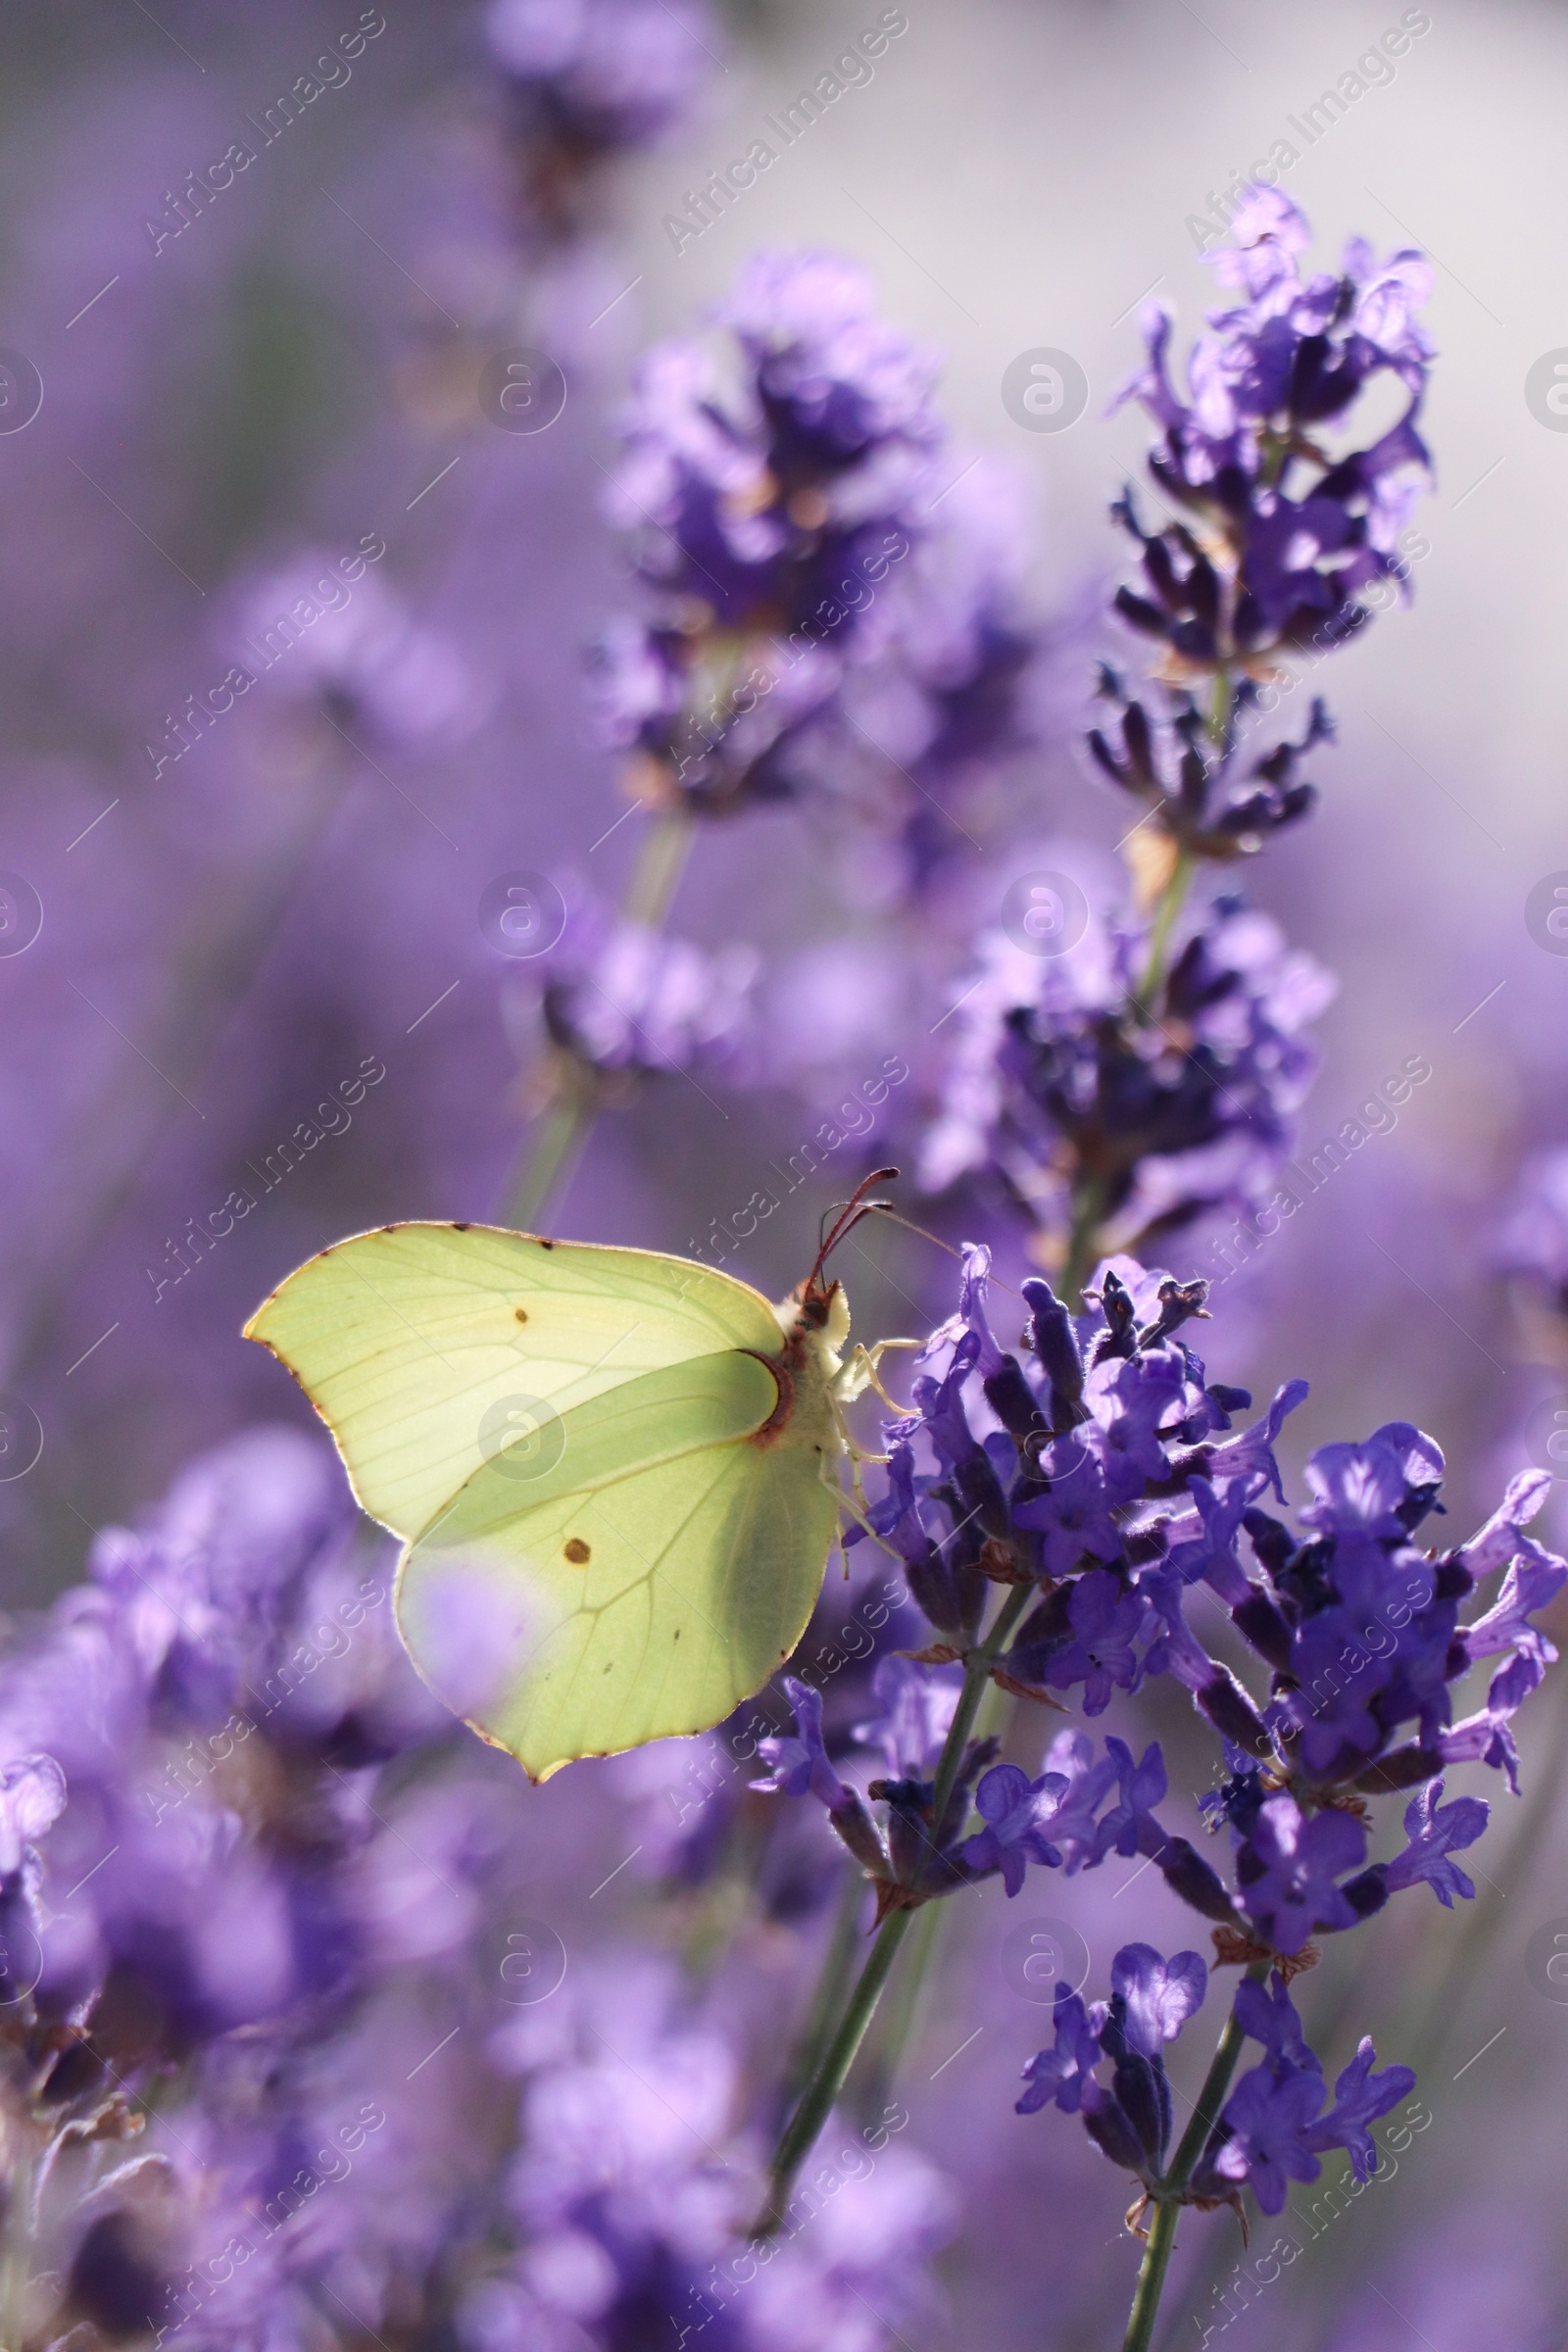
x=818, y=1309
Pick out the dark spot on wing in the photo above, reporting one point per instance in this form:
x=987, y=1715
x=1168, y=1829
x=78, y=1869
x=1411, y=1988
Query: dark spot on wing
x=520, y=1314
x=463, y=1229
x=577, y=1552
x=544, y=1245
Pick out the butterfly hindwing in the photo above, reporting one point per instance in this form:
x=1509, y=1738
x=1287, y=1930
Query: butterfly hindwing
x=591, y=1610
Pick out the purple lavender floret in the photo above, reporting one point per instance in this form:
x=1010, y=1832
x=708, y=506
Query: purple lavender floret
x=1017, y=1813
x=1059, y=2077
x=1288, y=532
x=800, y=1763
x=1436, y=1831
x=1274, y=2128
x=1288, y=1871
x=1152, y=1999
x=1206, y=796
x=1159, y=1994
x=1061, y=1078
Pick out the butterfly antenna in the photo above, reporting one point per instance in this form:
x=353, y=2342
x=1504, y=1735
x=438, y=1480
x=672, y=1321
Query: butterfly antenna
x=849, y=1214
x=935, y=1239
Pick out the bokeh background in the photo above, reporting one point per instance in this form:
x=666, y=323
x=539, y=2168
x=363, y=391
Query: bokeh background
x=230, y=933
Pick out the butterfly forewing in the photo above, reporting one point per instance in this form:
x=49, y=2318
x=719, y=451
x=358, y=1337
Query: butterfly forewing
x=429, y=1349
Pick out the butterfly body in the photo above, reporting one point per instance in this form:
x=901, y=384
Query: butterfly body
x=615, y=1473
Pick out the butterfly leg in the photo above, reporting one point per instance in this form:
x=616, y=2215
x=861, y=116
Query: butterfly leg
x=854, y=1508
x=862, y=1373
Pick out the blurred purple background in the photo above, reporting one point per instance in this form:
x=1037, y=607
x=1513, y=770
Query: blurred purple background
x=236, y=932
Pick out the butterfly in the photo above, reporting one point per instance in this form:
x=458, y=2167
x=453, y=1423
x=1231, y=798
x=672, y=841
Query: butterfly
x=615, y=1474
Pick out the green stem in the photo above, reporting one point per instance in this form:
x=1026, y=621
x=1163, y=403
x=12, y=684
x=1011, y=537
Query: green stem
x=1169, y=2195
x=561, y=1136
x=836, y=1963
x=660, y=862
x=883, y=2053
x=558, y=1146
x=822, y=2092
x=976, y=1682
x=1172, y=898
x=1152, y=2280
x=872, y=2081
x=1083, y=1240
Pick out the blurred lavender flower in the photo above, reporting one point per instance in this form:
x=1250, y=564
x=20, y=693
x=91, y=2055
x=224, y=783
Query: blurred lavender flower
x=588, y=80
x=206, y=1874
x=766, y=504
x=340, y=638
x=922, y=734
x=1120, y=1117
x=635, y=2182
x=623, y=999
x=1531, y=1244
